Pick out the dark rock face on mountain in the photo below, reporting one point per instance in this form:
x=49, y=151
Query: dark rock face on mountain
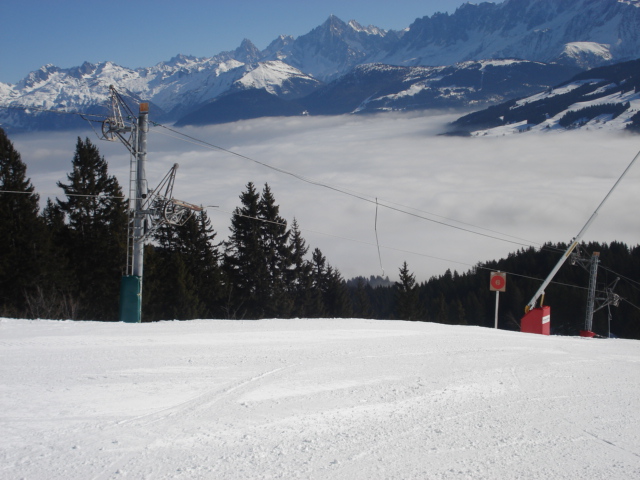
x=242, y=105
x=335, y=47
x=376, y=88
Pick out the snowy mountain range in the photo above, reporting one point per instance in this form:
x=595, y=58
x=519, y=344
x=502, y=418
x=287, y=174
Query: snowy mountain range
x=569, y=33
x=602, y=98
x=372, y=88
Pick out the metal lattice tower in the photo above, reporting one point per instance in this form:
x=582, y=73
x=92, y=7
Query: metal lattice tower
x=595, y=300
x=132, y=207
x=148, y=210
x=132, y=133
x=591, y=295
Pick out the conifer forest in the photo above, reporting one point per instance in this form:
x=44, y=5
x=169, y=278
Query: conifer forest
x=65, y=260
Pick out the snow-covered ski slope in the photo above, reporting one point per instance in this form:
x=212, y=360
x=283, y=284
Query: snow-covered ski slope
x=317, y=399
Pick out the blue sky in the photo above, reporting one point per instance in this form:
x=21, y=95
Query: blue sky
x=141, y=33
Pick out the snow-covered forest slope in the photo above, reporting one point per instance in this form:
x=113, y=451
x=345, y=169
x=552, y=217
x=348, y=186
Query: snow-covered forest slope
x=604, y=98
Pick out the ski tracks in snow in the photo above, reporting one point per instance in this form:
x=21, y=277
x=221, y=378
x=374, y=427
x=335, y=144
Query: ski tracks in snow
x=314, y=399
x=165, y=426
x=200, y=401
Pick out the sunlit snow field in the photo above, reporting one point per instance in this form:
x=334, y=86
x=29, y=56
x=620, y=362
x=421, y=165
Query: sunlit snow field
x=513, y=191
x=316, y=399
x=341, y=399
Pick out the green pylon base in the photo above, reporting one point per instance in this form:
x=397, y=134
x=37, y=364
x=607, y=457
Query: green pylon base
x=131, y=299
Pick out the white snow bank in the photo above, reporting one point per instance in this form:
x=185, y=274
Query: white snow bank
x=318, y=399
x=578, y=49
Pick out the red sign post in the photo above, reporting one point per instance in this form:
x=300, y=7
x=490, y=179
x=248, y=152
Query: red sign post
x=498, y=283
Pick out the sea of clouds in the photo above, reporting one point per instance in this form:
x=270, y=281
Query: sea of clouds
x=463, y=200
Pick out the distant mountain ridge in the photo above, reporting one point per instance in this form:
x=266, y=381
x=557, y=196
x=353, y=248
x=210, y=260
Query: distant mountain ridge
x=602, y=98
x=585, y=33
x=569, y=33
x=379, y=87
x=374, y=88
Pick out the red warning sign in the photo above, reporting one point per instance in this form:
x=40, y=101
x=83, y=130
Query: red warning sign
x=498, y=282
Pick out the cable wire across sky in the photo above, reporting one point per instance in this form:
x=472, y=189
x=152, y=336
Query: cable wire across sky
x=360, y=196
x=372, y=199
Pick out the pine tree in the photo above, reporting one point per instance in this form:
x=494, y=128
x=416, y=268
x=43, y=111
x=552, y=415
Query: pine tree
x=274, y=240
x=407, y=295
x=56, y=297
x=459, y=315
x=198, y=267
x=96, y=219
x=257, y=257
x=169, y=288
x=299, y=281
x=202, y=259
x=330, y=297
x=361, y=302
x=442, y=309
x=22, y=234
x=318, y=284
x=244, y=263
x=336, y=295
x=265, y=269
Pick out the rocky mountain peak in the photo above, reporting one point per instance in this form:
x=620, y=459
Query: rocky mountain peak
x=247, y=52
x=370, y=30
x=179, y=59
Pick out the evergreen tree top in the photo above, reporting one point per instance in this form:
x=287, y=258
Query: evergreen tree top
x=13, y=171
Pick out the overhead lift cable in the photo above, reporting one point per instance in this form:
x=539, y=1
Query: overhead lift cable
x=50, y=110
x=343, y=191
x=317, y=183
x=389, y=205
x=66, y=194
x=400, y=250
x=634, y=283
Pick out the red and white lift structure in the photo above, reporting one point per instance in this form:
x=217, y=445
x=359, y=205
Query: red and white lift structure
x=537, y=319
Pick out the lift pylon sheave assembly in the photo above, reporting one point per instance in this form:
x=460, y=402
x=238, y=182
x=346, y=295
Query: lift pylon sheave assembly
x=538, y=319
x=162, y=209
x=148, y=210
x=609, y=299
x=114, y=127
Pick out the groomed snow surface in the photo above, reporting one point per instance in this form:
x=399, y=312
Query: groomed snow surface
x=317, y=399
